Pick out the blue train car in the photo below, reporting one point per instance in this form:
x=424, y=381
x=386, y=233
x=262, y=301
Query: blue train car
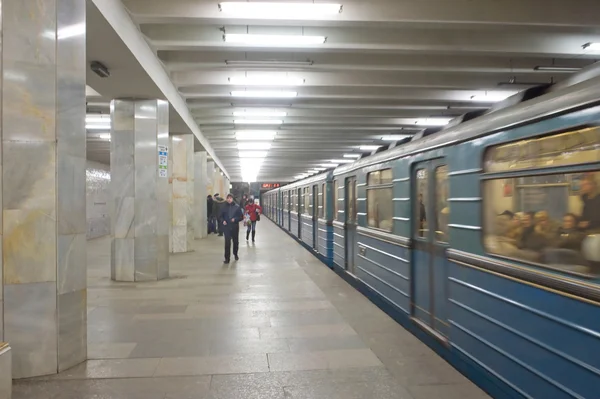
x=484, y=241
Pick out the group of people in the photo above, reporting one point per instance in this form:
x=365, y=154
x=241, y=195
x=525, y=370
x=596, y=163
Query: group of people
x=225, y=215
x=534, y=236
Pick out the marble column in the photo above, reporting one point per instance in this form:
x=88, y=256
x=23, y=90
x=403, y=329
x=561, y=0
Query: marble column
x=139, y=190
x=43, y=184
x=210, y=178
x=200, y=193
x=183, y=192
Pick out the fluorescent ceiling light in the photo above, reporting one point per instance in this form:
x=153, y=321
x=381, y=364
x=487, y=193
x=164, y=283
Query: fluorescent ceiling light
x=369, y=147
x=319, y=169
x=255, y=135
x=268, y=63
x=264, y=10
x=105, y=136
x=98, y=127
x=258, y=121
x=300, y=176
x=341, y=161
x=270, y=114
x=91, y=118
x=252, y=154
x=256, y=145
x=551, y=68
x=432, y=121
x=329, y=165
x=177, y=138
x=264, y=94
x=266, y=81
x=593, y=46
x=394, y=137
x=492, y=97
x=352, y=155
x=274, y=40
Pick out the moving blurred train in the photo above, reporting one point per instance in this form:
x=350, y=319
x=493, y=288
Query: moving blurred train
x=482, y=238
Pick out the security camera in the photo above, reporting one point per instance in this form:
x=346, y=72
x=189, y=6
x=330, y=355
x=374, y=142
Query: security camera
x=99, y=69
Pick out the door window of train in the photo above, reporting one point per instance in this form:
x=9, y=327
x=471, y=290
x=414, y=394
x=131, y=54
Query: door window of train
x=550, y=220
x=306, y=197
x=321, y=202
x=351, y=199
x=442, y=207
x=336, y=204
x=420, y=217
x=380, y=206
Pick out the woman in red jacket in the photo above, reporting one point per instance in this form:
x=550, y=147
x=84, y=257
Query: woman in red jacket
x=253, y=210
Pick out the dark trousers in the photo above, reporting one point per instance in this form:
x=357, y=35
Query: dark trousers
x=251, y=228
x=232, y=233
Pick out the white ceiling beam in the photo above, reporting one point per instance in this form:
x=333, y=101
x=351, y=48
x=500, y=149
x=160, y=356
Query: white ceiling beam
x=394, y=12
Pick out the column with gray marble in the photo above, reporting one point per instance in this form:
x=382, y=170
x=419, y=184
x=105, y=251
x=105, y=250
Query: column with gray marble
x=43, y=184
x=183, y=192
x=200, y=216
x=139, y=191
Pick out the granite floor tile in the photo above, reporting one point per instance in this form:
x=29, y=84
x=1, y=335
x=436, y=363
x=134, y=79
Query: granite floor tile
x=324, y=330
x=325, y=343
x=248, y=363
x=114, y=368
x=448, y=391
x=108, y=350
x=323, y=360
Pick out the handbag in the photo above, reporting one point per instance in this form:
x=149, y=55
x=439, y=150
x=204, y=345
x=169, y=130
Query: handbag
x=257, y=216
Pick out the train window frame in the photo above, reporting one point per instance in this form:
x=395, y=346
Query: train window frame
x=566, y=171
x=336, y=199
x=380, y=186
x=437, y=213
x=321, y=196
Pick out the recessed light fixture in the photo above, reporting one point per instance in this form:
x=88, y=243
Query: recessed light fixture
x=258, y=121
x=269, y=114
x=268, y=10
x=432, y=121
x=98, y=118
x=259, y=135
x=394, y=137
x=266, y=81
x=252, y=154
x=330, y=165
x=352, y=155
x=492, y=97
x=341, y=161
x=592, y=46
x=177, y=138
x=264, y=94
x=256, y=145
x=104, y=136
x=298, y=177
x=369, y=147
x=268, y=63
x=97, y=127
x=274, y=40
x=551, y=68
x=319, y=169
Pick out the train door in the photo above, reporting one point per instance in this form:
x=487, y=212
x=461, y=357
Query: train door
x=288, y=214
x=300, y=201
x=351, y=223
x=430, y=233
x=315, y=213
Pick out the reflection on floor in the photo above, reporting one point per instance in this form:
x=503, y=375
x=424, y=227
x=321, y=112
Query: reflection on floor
x=276, y=324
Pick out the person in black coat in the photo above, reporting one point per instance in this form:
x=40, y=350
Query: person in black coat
x=209, y=214
x=229, y=218
x=217, y=205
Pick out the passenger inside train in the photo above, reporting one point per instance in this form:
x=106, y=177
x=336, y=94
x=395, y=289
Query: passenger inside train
x=550, y=219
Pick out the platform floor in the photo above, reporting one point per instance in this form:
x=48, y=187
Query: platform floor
x=276, y=324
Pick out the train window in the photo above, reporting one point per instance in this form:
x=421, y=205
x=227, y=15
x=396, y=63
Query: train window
x=420, y=218
x=307, y=203
x=571, y=148
x=321, y=197
x=380, y=206
x=295, y=200
x=442, y=208
x=286, y=200
x=549, y=220
x=336, y=202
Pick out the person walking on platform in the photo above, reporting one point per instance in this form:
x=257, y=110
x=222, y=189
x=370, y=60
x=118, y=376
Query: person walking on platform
x=230, y=216
x=217, y=206
x=253, y=210
x=209, y=215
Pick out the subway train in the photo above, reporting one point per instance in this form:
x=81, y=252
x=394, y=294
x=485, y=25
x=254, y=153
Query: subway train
x=482, y=238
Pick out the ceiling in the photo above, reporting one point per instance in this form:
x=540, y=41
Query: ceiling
x=384, y=65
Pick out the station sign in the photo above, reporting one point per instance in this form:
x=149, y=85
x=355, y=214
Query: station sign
x=269, y=186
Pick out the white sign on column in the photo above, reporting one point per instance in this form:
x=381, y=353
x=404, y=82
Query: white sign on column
x=163, y=161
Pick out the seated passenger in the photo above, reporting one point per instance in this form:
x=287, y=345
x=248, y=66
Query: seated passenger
x=590, y=216
x=566, y=249
x=545, y=227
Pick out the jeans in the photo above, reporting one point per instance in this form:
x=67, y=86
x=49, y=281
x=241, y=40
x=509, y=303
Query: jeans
x=232, y=233
x=251, y=228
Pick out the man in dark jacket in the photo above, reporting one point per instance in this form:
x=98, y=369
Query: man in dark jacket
x=229, y=217
x=217, y=206
x=209, y=214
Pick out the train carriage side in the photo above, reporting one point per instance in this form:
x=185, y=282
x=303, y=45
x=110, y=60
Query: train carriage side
x=493, y=253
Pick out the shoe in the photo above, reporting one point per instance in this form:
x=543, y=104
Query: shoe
x=237, y=257
x=253, y=241
x=226, y=261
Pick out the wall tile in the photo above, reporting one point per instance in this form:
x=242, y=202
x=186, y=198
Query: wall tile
x=146, y=258
x=72, y=262
x=30, y=327
x=122, y=259
x=71, y=185
x=72, y=332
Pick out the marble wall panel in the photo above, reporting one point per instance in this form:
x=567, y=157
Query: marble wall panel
x=71, y=193
x=179, y=239
x=146, y=258
x=162, y=248
x=71, y=259
x=183, y=193
x=122, y=259
x=6, y=373
x=72, y=331
x=199, y=215
x=30, y=327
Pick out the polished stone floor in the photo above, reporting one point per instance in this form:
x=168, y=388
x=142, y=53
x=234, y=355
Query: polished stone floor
x=276, y=324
